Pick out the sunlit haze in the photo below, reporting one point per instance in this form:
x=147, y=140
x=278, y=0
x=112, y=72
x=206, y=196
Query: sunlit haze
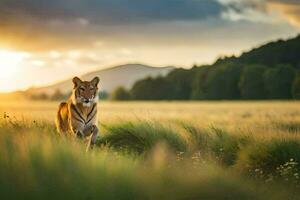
x=44, y=43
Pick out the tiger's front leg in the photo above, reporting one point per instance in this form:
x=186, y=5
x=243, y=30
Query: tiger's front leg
x=77, y=128
x=78, y=132
x=92, y=131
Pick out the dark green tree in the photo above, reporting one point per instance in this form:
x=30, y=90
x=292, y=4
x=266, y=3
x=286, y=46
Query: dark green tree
x=278, y=82
x=222, y=82
x=252, y=82
x=296, y=88
x=152, y=89
x=121, y=94
x=181, y=80
x=199, y=89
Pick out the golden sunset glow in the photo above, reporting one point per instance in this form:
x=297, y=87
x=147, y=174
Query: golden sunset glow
x=43, y=44
x=10, y=66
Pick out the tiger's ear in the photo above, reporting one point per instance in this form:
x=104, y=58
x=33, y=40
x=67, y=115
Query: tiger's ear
x=76, y=81
x=95, y=81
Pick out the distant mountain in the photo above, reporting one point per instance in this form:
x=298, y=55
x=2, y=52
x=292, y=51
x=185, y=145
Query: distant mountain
x=270, y=54
x=111, y=78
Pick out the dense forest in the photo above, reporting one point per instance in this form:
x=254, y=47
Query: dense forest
x=268, y=72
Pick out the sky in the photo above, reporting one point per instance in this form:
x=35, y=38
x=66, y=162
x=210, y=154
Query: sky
x=42, y=42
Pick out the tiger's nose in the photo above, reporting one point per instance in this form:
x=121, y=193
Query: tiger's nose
x=86, y=101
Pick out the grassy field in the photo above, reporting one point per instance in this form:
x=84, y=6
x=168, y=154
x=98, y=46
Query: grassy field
x=165, y=150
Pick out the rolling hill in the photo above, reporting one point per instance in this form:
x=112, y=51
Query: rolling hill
x=110, y=78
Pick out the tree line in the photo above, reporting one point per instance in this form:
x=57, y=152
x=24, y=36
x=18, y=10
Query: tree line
x=221, y=81
x=267, y=72
x=229, y=81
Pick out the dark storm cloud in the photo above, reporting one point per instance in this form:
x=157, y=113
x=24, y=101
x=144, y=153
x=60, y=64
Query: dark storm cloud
x=110, y=11
x=70, y=23
x=35, y=25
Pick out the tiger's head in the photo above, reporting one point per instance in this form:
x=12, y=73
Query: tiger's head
x=85, y=92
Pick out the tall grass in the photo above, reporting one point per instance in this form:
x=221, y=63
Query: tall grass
x=37, y=164
x=140, y=137
x=188, y=162
x=243, y=152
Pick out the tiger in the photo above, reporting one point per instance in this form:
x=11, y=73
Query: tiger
x=78, y=116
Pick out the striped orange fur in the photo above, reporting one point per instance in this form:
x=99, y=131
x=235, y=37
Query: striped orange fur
x=78, y=116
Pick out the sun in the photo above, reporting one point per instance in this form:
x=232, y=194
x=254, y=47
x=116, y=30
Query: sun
x=9, y=66
x=8, y=63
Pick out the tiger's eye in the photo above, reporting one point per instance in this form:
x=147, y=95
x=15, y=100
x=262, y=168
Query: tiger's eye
x=81, y=88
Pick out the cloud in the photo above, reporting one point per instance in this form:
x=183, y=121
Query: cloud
x=117, y=11
x=267, y=11
x=35, y=25
x=158, y=32
x=289, y=9
x=38, y=25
